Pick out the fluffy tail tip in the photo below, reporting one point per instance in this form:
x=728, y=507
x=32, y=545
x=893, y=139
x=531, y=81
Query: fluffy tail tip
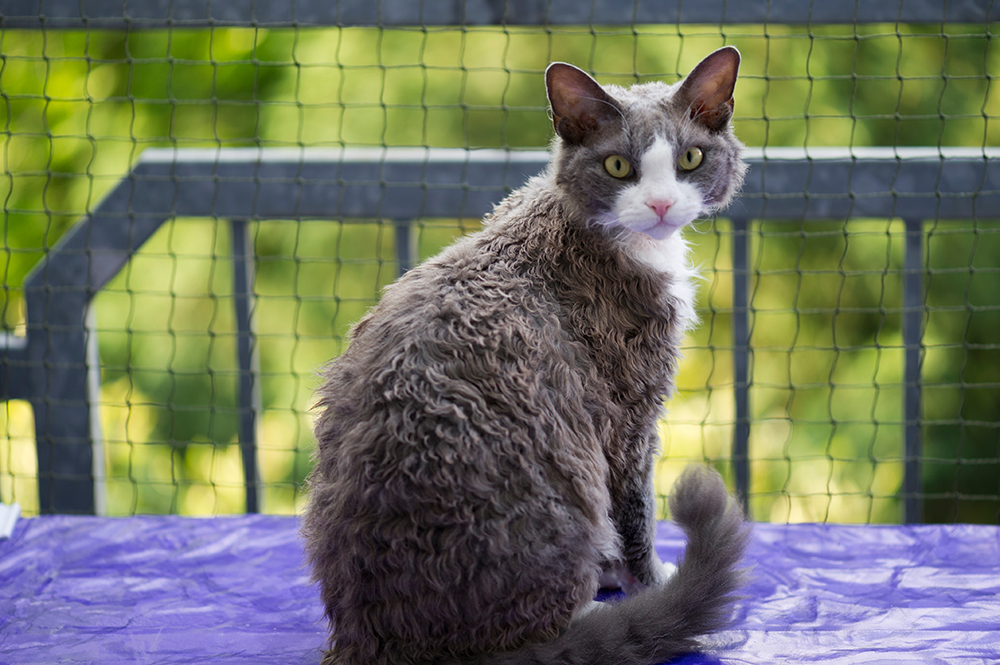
x=700, y=496
x=717, y=532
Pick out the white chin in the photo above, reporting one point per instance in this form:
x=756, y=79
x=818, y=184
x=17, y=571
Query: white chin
x=661, y=230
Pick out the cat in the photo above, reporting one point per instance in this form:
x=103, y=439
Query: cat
x=486, y=442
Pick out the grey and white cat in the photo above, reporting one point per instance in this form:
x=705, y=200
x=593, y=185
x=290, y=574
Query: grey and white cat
x=486, y=443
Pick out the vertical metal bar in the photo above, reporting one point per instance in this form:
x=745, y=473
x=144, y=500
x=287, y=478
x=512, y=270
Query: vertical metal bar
x=913, y=301
x=57, y=365
x=243, y=270
x=741, y=361
x=99, y=456
x=404, y=245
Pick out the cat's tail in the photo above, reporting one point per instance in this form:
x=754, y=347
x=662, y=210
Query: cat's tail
x=662, y=622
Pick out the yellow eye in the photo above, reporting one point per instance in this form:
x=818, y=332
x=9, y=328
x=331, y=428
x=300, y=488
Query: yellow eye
x=691, y=159
x=617, y=166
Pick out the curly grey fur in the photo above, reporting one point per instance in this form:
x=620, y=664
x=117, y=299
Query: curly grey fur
x=661, y=623
x=486, y=442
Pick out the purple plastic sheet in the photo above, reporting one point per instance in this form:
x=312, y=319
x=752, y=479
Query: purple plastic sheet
x=235, y=590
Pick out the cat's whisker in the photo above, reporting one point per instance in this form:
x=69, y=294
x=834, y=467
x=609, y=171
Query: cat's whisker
x=706, y=222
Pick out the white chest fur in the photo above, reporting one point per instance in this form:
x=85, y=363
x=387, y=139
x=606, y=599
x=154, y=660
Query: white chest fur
x=669, y=256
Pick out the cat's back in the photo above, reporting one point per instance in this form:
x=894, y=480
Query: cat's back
x=482, y=299
x=477, y=296
x=454, y=447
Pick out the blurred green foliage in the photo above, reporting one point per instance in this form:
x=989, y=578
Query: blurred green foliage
x=79, y=107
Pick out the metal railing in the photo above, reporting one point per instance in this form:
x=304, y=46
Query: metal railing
x=138, y=14
x=55, y=366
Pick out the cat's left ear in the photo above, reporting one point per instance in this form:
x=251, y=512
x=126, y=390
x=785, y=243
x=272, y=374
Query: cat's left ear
x=579, y=104
x=708, y=89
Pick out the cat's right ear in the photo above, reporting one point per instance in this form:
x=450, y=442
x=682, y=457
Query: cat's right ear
x=708, y=90
x=579, y=104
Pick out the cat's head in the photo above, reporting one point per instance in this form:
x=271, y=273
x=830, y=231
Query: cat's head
x=651, y=158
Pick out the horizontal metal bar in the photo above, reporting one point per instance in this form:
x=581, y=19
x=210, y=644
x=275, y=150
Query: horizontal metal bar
x=119, y=14
x=408, y=184
x=462, y=155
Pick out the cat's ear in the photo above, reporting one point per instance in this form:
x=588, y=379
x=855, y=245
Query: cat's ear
x=579, y=104
x=707, y=91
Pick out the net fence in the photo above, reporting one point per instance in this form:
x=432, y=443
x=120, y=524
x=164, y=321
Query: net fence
x=826, y=386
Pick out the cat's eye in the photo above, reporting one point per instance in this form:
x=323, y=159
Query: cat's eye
x=691, y=159
x=617, y=166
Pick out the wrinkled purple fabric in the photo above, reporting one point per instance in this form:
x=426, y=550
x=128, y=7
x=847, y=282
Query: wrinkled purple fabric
x=235, y=590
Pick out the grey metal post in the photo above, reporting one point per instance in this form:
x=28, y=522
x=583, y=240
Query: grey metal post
x=913, y=302
x=58, y=395
x=249, y=393
x=404, y=245
x=14, y=375
x=57, y=294
x=741, y=361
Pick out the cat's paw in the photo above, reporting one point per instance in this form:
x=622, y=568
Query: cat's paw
x=615, y=576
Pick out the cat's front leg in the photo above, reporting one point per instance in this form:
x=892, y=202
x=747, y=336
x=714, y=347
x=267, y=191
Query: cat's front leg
x=635, y=518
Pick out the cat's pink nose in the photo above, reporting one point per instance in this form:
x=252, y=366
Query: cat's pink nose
x=660, y=206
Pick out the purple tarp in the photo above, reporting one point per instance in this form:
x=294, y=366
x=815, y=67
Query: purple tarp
x=234, y=590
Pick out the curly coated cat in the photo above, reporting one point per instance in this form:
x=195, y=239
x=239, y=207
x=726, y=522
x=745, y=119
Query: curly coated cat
x=486, y=444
